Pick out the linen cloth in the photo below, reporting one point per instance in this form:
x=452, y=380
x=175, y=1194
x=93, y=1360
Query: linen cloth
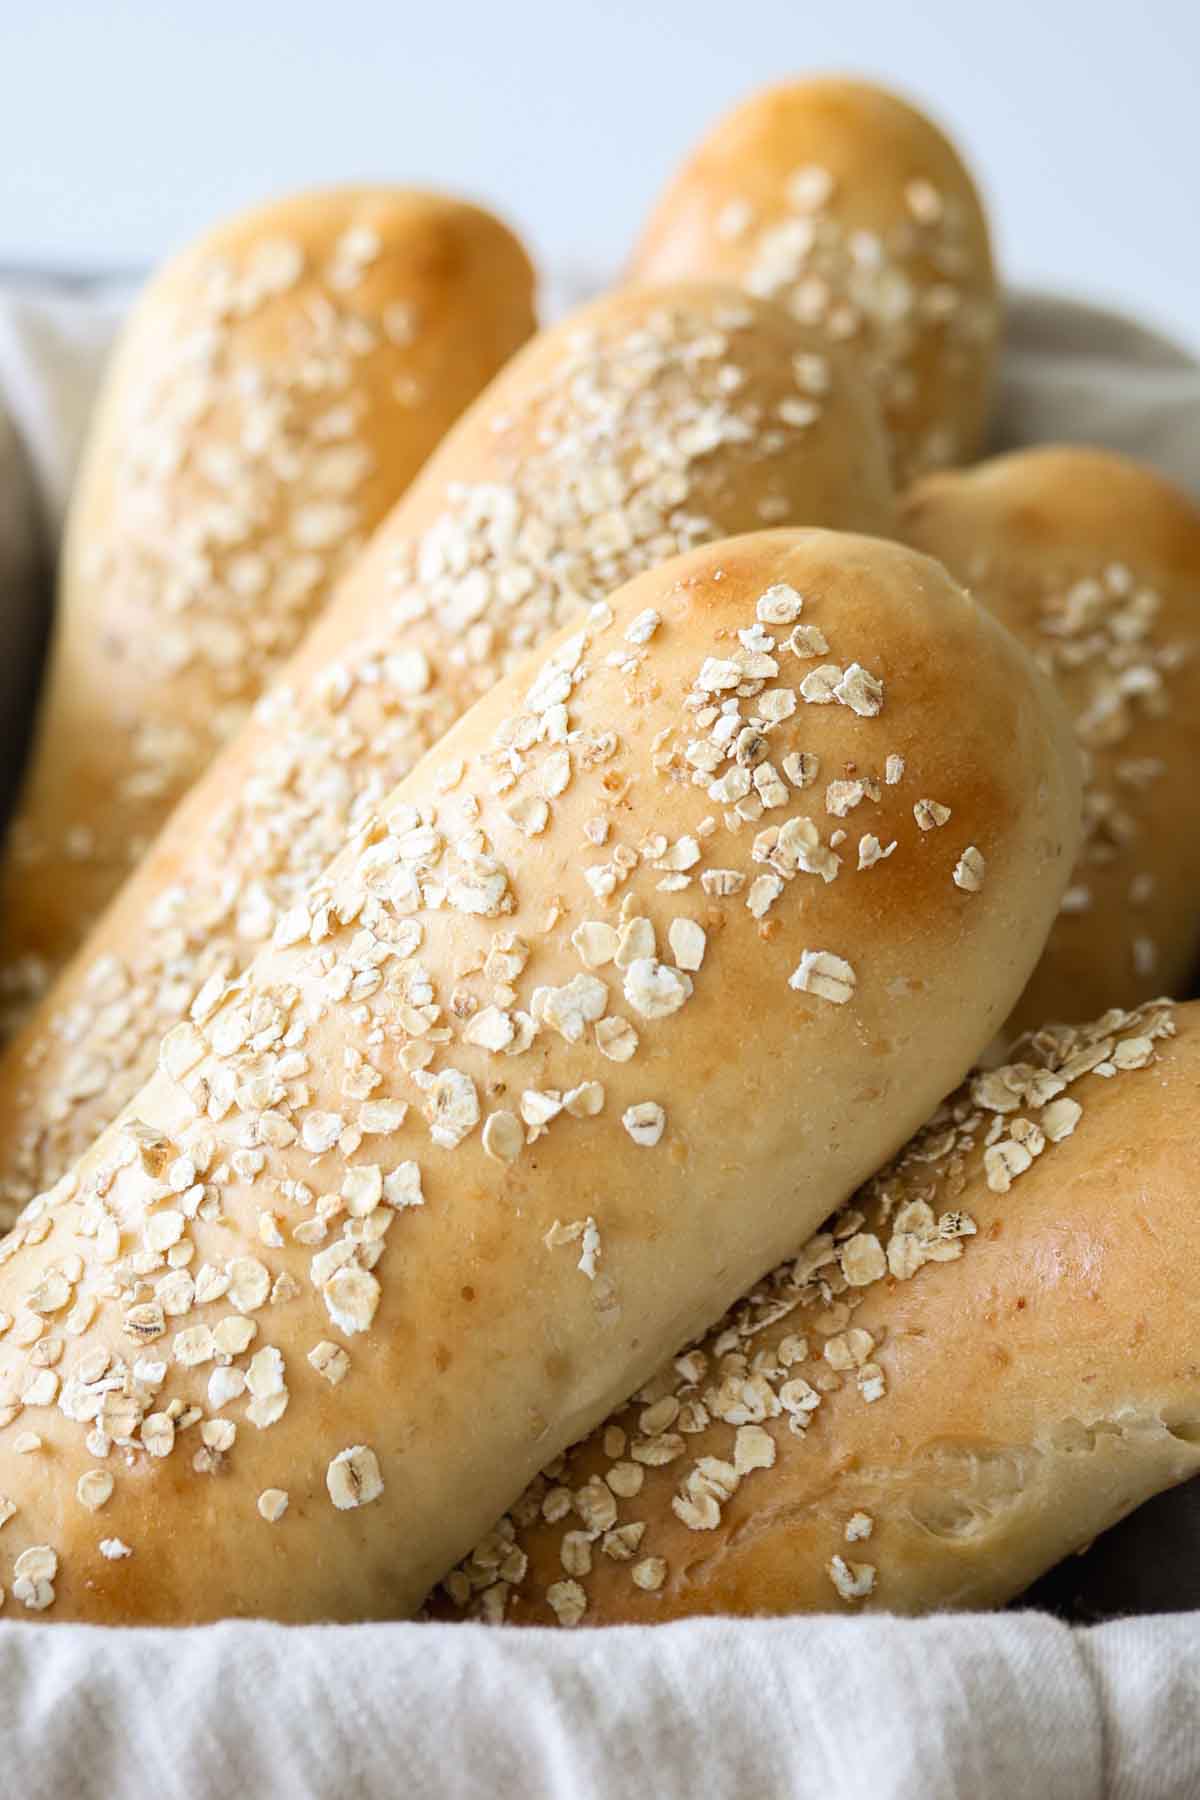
x=986, y=1706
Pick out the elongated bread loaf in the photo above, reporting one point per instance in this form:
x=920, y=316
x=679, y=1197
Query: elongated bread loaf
x=637, y=975
x=648, y=423
x=279, y=385
x=850, y=207
x=1094, y=562
x=984, y=1361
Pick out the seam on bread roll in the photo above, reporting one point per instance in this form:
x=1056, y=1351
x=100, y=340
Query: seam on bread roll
x=977, y=1365
x=852, y=209
x=531, y=1084
x=276, y=389
x=649, y=422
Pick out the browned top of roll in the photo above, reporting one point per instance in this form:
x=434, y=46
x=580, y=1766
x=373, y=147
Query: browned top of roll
x=850, y=207
x=669, y=942
x=277, y=387
x=1093, y=560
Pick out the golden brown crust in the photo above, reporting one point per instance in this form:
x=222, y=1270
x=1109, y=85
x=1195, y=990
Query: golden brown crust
x=541, y=986
x=935, y=1438
x=279, y=385
x=1093, y=561
x=646, y=423
x=849, y=206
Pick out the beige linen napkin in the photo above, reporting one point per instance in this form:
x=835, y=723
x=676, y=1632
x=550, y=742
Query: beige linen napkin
x=1010, y=1707
x=988, y=1707
x=53, y=342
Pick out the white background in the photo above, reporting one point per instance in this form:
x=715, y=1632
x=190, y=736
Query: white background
x=125, y=127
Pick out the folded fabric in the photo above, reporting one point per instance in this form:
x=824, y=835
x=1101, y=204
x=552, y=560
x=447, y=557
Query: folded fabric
x=816, y=1709
x=986, y=1706
x=53, y=343
x=1081, y=374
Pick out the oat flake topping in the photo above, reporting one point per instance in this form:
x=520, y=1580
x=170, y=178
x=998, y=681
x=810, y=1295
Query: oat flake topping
x=238, y=497
x=610, y=479
x=713, y=1418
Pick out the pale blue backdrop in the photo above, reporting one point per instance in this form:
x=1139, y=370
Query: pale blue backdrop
x=126, y=126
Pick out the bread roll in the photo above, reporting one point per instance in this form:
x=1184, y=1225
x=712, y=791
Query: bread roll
x=278, y=386
x=646, y=424
x=849, y=206
x=1094, y=562
x=597, y=1047
x=985, y=1360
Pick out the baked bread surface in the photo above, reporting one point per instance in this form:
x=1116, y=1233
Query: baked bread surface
x=559, y=1056
x=1093, y=561
x=851, y=208
x=645, y=424
x=934, y=1426
x=277, y=387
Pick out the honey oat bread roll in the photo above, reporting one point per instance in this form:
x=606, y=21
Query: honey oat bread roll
x=278, y=386
x=648, y=423
x=851, y=208
x=597, y=1012
x=1094, y=562
x=984, y=1361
